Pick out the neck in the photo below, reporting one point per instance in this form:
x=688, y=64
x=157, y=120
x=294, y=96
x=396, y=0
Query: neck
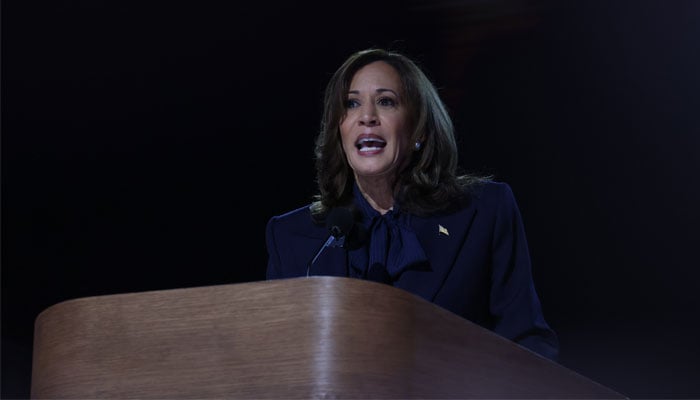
x=378, y=191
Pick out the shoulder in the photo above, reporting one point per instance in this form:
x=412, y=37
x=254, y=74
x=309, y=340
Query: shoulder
x=496, y=202
x=485, y=198
x=297, y=213
x=296, y=221
x=489, y=194
x=295, y=216
x=491, y=191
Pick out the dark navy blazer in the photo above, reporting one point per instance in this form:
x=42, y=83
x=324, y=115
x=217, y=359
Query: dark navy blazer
x=479, y=264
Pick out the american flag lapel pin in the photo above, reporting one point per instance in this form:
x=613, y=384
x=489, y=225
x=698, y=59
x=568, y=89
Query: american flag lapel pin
x=443, y=230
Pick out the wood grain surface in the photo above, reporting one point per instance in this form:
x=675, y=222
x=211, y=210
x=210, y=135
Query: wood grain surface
x=316, y=337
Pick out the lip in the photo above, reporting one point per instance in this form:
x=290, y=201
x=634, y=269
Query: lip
x=369, y=135
x=376, y=146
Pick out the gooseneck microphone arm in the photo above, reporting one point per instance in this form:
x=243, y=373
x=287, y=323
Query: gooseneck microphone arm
x=328, y=242
x=339, y=222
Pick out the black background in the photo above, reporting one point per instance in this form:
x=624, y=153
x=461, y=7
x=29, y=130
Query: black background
x=145, y=145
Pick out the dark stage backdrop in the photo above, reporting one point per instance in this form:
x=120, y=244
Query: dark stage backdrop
x=145, y=145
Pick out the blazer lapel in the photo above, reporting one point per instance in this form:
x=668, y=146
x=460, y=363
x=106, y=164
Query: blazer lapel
x=442, y=238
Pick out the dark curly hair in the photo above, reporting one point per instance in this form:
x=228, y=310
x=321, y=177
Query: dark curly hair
x=430, y=183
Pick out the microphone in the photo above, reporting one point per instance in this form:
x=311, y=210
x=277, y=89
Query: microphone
x=339, y=222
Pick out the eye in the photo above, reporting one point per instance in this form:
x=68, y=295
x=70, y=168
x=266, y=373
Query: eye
x=351, y=103
x=386, y=101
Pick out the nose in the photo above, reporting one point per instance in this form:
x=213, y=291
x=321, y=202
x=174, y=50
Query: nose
x=369, y=115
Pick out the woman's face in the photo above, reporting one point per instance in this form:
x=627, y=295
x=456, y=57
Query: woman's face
x=374, y=130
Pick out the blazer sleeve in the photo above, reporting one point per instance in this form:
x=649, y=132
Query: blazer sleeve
x=273, y=261
x=514, y=303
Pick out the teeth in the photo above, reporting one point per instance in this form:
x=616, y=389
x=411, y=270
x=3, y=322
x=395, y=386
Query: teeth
x=370, y=144
x=368, y=140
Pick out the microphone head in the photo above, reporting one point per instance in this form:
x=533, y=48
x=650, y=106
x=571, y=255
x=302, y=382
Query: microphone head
x=339, y=221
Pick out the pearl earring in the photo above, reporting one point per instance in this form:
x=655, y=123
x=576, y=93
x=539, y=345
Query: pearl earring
x=418, y=145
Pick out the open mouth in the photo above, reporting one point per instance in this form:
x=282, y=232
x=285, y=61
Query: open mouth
x=370, y=144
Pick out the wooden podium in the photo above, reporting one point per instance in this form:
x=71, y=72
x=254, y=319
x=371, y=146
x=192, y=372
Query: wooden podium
x=316, y=337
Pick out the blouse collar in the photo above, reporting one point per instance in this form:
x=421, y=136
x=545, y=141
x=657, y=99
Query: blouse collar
x=393, y=246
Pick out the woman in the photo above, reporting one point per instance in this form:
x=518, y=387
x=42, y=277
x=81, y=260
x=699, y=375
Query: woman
x=387, y=152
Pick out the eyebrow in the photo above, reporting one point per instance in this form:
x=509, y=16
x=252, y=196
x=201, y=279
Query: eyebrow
x=380, y=90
